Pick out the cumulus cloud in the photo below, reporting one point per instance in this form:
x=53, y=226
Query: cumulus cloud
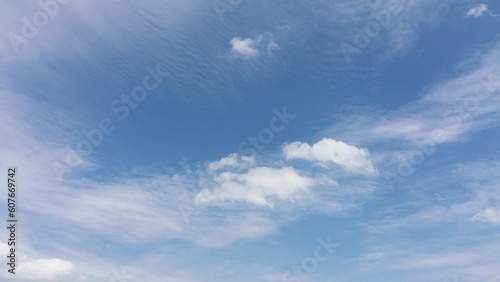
x=244, y=47
x=45, y=269
x=490, y=215
x=232, y=161
x=40, y=269
x=258, y=186
x=478, y=10
x=252, y=47
x=328, y=150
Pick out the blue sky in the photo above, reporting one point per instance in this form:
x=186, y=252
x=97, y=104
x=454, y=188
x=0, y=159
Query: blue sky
x=252, y=140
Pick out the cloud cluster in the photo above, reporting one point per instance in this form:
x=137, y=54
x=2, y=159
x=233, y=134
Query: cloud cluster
x=262, y=185
x=229, y=199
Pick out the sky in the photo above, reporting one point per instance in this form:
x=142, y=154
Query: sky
x=236, y=140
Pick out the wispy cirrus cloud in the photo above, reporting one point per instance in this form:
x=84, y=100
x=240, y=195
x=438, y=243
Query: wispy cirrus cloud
x=237, y=198
x=452, y=109
x=477, y=10
x=468, y=207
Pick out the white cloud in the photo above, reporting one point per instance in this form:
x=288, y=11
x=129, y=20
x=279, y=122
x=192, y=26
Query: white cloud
x=253, y=47
x=490, y=215
x=449, y=111
x=328, y=150
x=30, y=269
x=232, y=161
x=258, y=186
x=244, y=47
x=45, y=269
x=478, y=10
x=123, y=205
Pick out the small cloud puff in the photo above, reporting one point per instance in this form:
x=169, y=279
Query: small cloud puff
x=232, y=161
x=328, y=150
x=244, y=47
x=253, y=47
x=478, y=10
